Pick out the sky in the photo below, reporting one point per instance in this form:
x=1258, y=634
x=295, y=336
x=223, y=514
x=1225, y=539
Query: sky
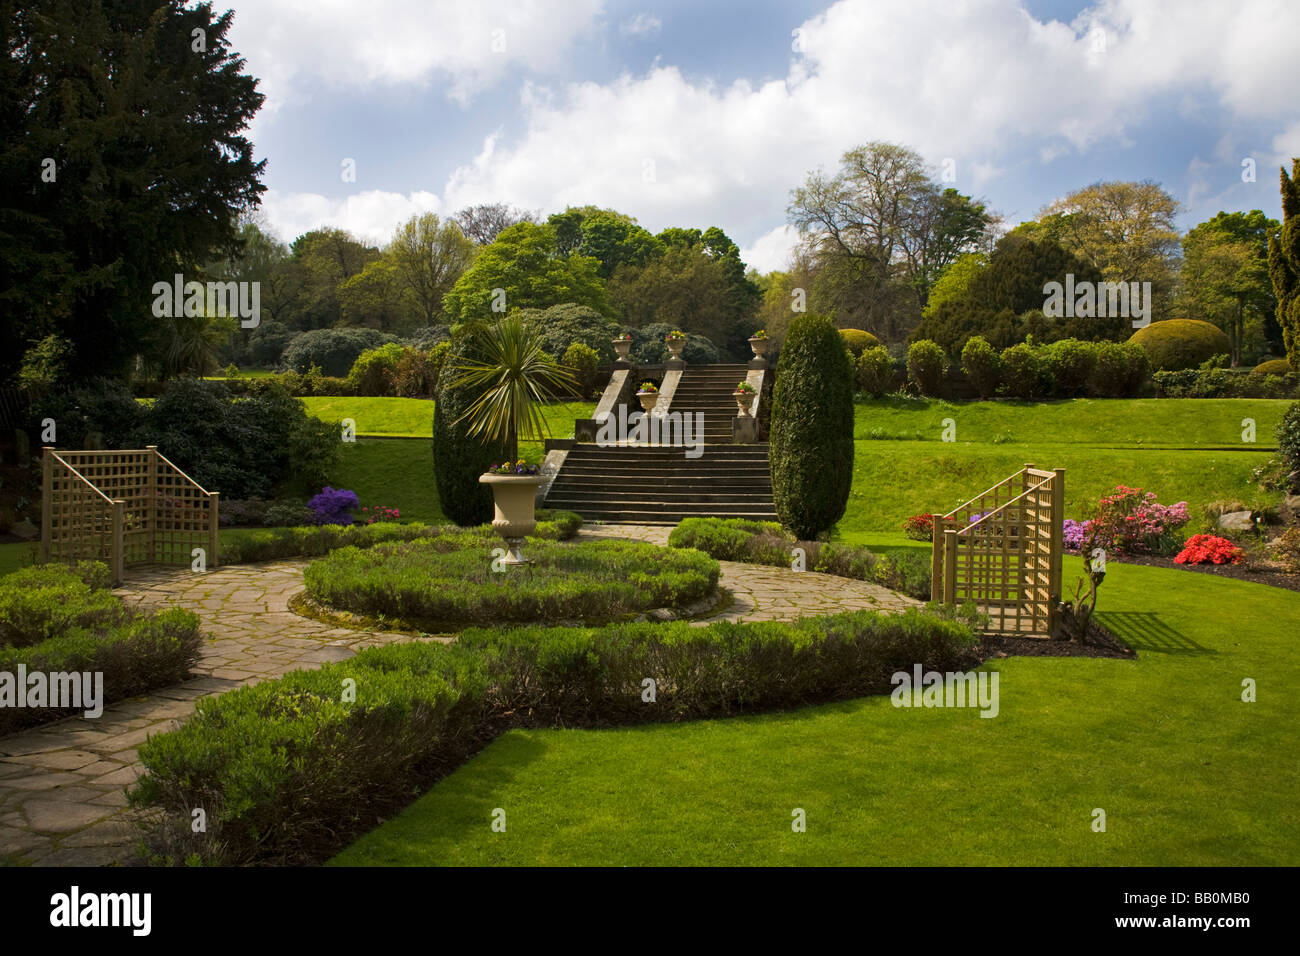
x=701, y=113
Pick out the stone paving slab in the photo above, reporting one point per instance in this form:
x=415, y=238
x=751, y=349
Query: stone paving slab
x=63, y=785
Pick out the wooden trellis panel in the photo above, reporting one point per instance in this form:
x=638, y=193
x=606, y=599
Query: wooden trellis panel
x=1002, y=550
x=125, y=508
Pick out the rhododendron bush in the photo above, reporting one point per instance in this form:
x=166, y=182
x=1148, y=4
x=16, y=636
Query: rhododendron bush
x=1128, y=521
x=1209, y=549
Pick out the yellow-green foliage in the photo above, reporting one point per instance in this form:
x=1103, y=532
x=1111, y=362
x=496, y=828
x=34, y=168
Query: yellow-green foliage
x=1273, y=367
x=1177, y=344
x=857, y=340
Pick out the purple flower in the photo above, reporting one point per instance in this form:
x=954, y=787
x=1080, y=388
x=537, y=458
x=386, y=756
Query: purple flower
x=333, y=506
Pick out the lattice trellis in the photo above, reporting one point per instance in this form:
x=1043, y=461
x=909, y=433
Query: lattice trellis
x=1002, y=550
x=124, y=508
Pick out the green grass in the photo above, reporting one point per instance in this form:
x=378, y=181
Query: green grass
x=1187, y=773
x=1182, y=449
x=413, y=417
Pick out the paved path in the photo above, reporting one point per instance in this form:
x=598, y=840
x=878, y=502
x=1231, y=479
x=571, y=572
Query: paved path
x=62, y=798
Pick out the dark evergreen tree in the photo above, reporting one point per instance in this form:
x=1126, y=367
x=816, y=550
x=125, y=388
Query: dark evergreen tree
x=458, y=458
x=1284, y=265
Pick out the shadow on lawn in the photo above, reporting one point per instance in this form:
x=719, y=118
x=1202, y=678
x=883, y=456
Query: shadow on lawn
x=1144, y=631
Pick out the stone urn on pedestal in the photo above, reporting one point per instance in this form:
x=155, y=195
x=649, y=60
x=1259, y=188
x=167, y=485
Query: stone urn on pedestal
x=676, y=341
x=758, y=342
x=514, y=494
x=744, y=396
x=623, y=346
x=648, y=395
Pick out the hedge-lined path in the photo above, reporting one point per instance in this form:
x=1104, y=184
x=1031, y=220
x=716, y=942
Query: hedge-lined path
x=62, y=800
x=761, y=593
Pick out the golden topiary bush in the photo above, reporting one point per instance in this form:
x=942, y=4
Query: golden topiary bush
x=1272, y=367
x=858, y=341
x=1177, y=344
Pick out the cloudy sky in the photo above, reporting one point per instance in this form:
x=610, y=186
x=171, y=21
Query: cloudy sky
x=697, y=114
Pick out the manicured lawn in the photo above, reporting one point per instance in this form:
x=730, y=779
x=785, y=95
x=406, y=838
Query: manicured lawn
x=1182, y=449
x=1186, y=772
x=413, y=417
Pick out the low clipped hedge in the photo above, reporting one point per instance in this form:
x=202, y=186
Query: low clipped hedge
x=56, y=619
x=289, y=771
x=1176, y=344
x=1224, y=383
x=312, y=541
x=448, y=581
x=765, y=542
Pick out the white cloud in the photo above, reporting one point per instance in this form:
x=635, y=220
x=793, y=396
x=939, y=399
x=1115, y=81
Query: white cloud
x=302, y=48
x=771, y=250
x=370, y=215
x=983, y=82
x=643, y=24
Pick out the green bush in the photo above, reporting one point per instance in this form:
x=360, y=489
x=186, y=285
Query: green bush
x=582, y=361
x=288, y=772
x=811, y=440
x=459, y=458
x=101, y=413
x=1288, y=445
x=1121, y=369
x=312, y=541
x=449, y=581
x=648, y=346
x=416, y=374
x=980, y=361
x=874, y=371
x=1025, y=372
x=567, y=324
x=334, y=350
x=59, y=619
x=926, y=366
x=1071, y=364
x=1176, y=344
x=856, y=340
x=374, y=373
x=1273, y=367
x=762, y=542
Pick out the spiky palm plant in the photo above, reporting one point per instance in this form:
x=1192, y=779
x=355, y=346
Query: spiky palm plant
x=513, y=378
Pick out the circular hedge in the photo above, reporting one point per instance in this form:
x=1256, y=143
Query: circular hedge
x=1273, y=367
x=447, y=582
x=858, y=340
x=1177, y=344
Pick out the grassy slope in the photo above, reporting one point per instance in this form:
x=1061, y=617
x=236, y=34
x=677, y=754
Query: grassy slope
x=1186, y=772
x=413, y=417
x=1182, y=449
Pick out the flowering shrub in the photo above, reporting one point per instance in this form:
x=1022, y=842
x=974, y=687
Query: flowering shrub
x=1131, y=521
x=379, y=513
x=1073, y=534
x=1208, y=549
x=520, y=467
x=333, y=506
x=919, y=527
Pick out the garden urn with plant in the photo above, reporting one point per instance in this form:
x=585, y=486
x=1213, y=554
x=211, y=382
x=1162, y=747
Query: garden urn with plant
x=676, y=341
x=744, y=396
x=758, y=342
x=514, y=495
x=648, y=395
x=623, y=345
x=513, y=376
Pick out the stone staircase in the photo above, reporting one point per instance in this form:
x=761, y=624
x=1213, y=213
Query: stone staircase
x=659, y=484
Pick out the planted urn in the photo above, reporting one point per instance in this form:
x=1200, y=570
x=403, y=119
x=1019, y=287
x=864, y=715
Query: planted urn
x=744, y=396
x=648, y=395
x=758, y=342
x=514, y=497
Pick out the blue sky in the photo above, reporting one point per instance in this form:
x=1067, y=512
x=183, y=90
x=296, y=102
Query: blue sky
x=698, y=114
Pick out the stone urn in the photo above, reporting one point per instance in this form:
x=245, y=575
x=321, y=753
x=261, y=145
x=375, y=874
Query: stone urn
x=648, y=401
x=744, y=401
x=515, y=497
x=622, y=347
x=675, y=346
x=759, y=345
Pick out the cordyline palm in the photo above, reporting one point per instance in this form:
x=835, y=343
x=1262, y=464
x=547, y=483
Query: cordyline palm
x=513, y=378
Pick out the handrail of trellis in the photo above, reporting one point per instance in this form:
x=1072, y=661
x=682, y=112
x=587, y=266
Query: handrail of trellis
x=1003, y=551
x=124, y=507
